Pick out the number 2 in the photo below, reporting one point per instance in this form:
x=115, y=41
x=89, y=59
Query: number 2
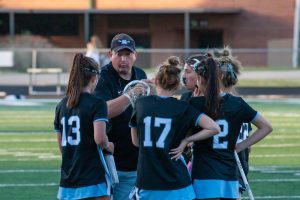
x=217, y=144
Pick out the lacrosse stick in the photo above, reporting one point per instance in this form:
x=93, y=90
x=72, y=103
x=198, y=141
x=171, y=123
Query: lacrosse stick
x=111, y=165
x=250, y=194
x=136, y=89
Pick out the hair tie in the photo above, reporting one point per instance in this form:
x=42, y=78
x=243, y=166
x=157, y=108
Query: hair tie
x=227, y=67
x=200, y=67
x=90, y=70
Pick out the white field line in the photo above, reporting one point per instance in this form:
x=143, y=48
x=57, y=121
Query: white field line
x=28, y=159
x=26, y=133
x=29, y=171
x=27, y=140
x=47, y=155
x=57, y=100
x=276, y=145
x=283, y=137
x=276, y=180
x=279, y=166
x=280, y=114
x=295, y=172
x=277, y=170
x=274, y=197
x=27, y=156
x=283, y=131
x=274, y=167
x=31, y=149
x=29, y=185
x=275, y=156
x=282, y=101
x=18, y=103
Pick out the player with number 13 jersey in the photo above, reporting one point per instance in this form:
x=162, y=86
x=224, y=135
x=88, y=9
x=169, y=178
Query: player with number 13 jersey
x=79, y=150
x=80, y=124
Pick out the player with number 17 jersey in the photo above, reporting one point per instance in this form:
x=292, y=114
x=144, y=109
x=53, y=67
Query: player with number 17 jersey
x=162, y=123
x=81, y=164
x=214, y=161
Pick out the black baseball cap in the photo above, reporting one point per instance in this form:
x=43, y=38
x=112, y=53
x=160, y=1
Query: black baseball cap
x=122, y=41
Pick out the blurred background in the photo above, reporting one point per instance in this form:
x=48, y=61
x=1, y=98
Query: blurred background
x=38, y=40
x=263, y=35
x=46, y=34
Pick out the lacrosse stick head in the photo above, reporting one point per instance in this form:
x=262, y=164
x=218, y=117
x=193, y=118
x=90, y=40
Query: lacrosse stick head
x=136, y=89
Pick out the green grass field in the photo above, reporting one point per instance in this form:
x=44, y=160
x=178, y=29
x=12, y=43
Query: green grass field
x=29, y=158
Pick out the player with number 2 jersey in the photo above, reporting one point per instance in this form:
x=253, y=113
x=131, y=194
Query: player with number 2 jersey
x=213, y=161
x=159, y=124
x=215, y=172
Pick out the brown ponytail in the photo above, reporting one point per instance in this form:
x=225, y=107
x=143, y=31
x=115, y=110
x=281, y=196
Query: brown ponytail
x=209, y=70
x=212, y=91
x=83, y=68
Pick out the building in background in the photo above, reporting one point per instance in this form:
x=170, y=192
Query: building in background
x=158, y=24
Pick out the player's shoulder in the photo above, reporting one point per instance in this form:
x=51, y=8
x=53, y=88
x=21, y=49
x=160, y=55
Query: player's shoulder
x=233, y=100
x=197, y=100
x=146, y=99
x=61, y=106
x=159, y=99
x=175, y=104
x=186, y=96
x=92, y=99
x=62, y=102
x=232, y=103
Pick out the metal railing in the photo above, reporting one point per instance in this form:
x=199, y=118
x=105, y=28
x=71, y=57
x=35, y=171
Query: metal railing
x=25, y=58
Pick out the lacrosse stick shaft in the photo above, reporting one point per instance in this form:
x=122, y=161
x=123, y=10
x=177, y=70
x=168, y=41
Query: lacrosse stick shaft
x=250, y=194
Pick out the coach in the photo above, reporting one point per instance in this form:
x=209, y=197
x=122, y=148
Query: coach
x=114, y=77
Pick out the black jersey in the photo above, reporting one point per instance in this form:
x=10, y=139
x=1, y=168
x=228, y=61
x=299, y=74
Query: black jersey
x=186, y=96
x=110, y=86
x=244, y=155
x=162, y=123
x=214, y=157
x=81, y=165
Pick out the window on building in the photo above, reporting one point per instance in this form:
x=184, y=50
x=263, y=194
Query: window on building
x=4, y=24
x=47, y=24
x=210, y=39
x=128, y=21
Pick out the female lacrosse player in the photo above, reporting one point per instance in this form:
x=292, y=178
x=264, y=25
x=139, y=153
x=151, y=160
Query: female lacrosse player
x=214, y=170
x=189, y=78
x=230, y=69
x=159, y=124
x=80, y=123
